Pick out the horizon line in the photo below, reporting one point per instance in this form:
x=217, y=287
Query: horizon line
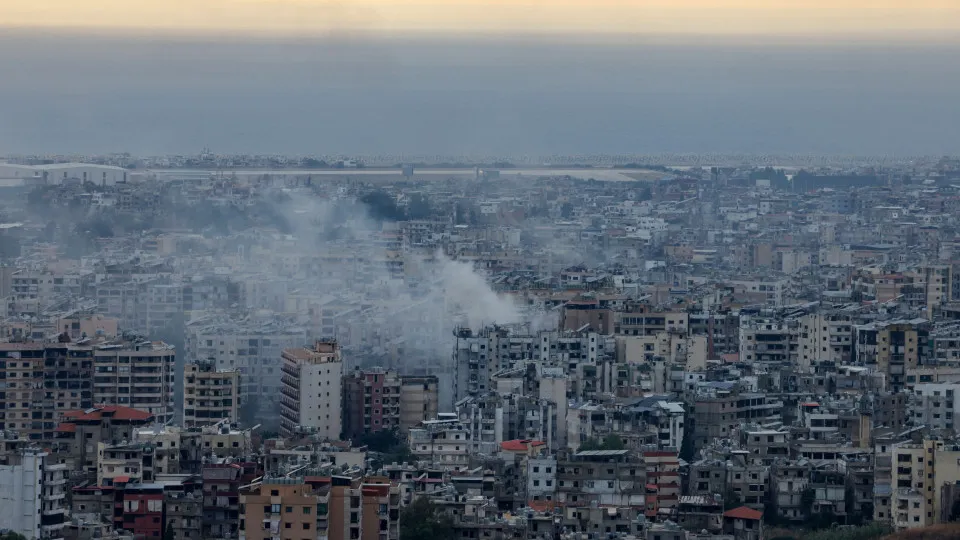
x=827, y=38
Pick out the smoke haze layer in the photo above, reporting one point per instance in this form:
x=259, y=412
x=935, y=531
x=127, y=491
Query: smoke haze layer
x=364, y=95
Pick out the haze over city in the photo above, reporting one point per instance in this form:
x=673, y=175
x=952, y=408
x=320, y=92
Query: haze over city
x=466, y=77
x=479, y=269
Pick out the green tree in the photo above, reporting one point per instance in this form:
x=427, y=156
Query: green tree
x=168, y=533
x=687, y=449
x=731, y=499
x=422, y=520
x=419, y=207
x=610, y=442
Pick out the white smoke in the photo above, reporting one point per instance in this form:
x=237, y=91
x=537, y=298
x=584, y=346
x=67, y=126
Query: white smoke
x=468, y=293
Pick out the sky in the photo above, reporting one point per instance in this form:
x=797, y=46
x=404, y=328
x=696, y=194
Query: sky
x=491, y=77
x=493, y=16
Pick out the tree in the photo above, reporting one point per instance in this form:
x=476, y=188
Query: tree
x=807, y=496
x=422, y=520
x=419, y=207
x=168, y=533
x=378, y=441
x=388, y=444
x=687, y=449
x=610, y=442
x=731, y=499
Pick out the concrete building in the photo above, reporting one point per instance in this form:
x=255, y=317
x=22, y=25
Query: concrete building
x=419, y=398
x=825, y=341
x=372, y=401
x=446, y=442
x=921, y=474
x=64, y=173
x=42, y=382
x=331, y=507
x=894, y=348
x=32, y=498
x=719, y=415
x=138, y=374
x=253, y=347
x=312, y=391
x=82, y=431
x=210, y=395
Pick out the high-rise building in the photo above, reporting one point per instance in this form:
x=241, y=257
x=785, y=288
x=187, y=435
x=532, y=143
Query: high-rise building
x=43, y=381
x=371, y=401
x=32, y=498
x=138, y=374
x=253, y=347
x=210, y=394
x=312, y=390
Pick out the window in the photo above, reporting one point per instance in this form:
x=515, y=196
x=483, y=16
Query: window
x=306, y=526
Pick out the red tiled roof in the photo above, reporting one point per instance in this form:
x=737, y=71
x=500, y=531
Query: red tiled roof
x=542, y=506
x=67, y=428
x=117, y=412
x=121, y=479
x=520, y=445
x=744, y=512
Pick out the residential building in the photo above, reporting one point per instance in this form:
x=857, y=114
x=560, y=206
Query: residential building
x=333, y=507
x=419, y=398
x=372, y=401
x=32, y=495
x=138, y=374
x=312, y=391
x=210, y=395
x=42, y=382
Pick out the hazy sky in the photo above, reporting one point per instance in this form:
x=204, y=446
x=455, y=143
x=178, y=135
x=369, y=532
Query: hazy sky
x=480, y=77
x=596, y=16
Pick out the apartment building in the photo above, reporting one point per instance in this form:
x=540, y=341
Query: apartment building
x=331, y=507
x=894, y=348
x=921, y=474
x=83, y=430
x=209, y=394
x=601, y=477
x=372, y=401
x=719, y=414
x=312, y=393
x=934, y=405
x=32, y=498
x=478, y=356
x=768, y=340
x=221, y=499
x=252, y=347
x=43, y=381
x=419, y=399
x=825, y=341
x=138, y=374
x=445, y=442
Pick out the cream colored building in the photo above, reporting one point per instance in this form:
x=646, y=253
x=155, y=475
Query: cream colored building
x=920, y=475
x=136, y=374
x=312, y=391
x=418, y=400
x=210, y=395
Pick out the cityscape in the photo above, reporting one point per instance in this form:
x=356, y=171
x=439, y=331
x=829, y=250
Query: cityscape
x=240, y=347
x=479, y=270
